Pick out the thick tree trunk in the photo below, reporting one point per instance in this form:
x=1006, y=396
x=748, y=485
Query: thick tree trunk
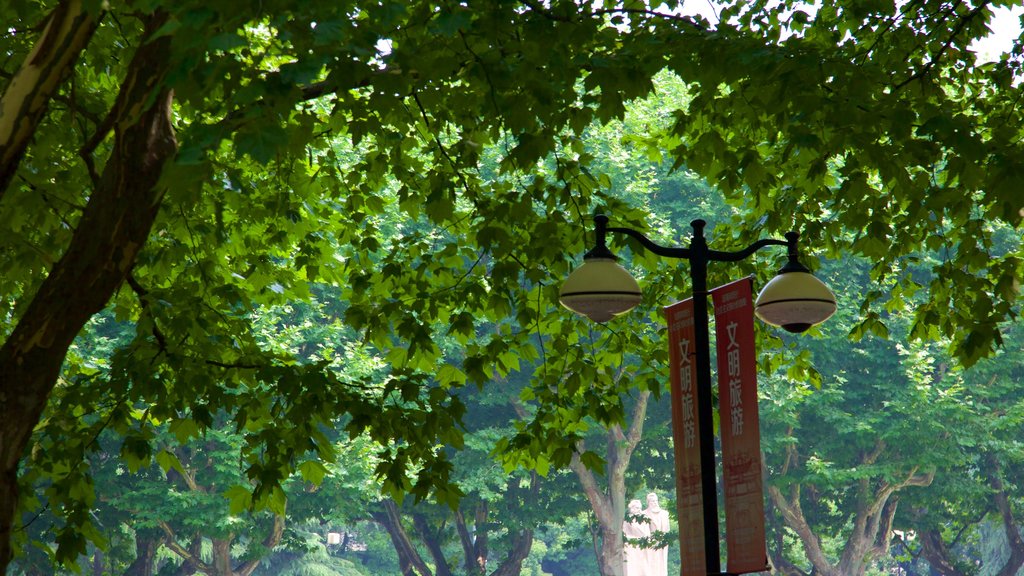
x=474, y=546
x=776, y=546
x=112, y=230
x=482, y=544
x=192, y=555
x=269, y=542
x=935, y=551
x=993, y=469
x=221, y=561
x=610, y=554
x=97, y=563
x=221, y=552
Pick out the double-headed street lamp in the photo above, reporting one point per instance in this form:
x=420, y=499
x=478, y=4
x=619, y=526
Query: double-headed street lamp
x=601, y=289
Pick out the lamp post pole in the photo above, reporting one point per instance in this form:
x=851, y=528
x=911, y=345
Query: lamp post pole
x=709, y=484
x=699, y=255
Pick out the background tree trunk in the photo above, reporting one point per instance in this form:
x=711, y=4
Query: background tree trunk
x=872, y=520
x=431, y=539
x=994, y=472
x=410, y=561
x=935, y=552
x=474, y=546
x=609, y=505
x=512, y=565
x=146, y=544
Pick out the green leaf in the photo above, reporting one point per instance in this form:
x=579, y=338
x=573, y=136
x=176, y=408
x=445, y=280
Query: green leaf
x=240, y=499
x=184, y=429
x=313, y=471
x=168, y=460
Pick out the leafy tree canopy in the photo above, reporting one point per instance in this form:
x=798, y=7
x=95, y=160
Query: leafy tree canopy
x=189, y=162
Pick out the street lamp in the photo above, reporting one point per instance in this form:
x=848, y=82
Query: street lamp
x=795, y=300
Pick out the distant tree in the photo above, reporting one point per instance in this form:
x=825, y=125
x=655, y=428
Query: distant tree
x=845, y=443
x=979, y=484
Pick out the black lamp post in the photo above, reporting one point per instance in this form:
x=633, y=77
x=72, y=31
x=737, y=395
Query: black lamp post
x=795, y=300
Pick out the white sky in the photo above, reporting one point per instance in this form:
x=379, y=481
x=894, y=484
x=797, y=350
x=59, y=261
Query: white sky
x=1005, y=26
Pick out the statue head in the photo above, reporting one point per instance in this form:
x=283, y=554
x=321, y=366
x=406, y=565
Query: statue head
x=635, y=507
x=652, y=502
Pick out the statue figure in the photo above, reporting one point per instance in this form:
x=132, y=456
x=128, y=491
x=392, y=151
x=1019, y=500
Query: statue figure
x=657, y=558
x=635, y=527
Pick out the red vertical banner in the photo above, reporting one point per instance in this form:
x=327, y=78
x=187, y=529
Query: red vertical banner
x=740, y=431
x=686, y=438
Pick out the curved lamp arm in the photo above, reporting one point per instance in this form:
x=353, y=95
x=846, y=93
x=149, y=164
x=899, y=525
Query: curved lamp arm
x=786, y=296
x=697, y=250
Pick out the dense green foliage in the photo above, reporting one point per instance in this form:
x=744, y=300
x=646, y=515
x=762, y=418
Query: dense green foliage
x=312, y=219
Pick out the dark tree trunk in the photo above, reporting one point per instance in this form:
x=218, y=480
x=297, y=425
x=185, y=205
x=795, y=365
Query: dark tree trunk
x=776, y=545
x=512, y=565
x=112, y=230
x=936, y=553
x=195, y=550
x=147, y=542
x=474, y=546
x=431, y=539
x=409, y=559
x=994, y=471
x=97, y=563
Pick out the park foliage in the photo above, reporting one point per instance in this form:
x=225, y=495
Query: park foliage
x=415, y=178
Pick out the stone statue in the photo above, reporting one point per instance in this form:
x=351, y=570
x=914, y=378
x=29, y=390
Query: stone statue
x=657, y=558
x=635, y=527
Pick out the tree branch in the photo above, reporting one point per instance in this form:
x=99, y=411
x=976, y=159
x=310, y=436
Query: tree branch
x=793, y=514
x=960, y=25
x=937, y=554
x=598, y=501
x=272, y=539
x=409, y=558
x=66, y=33
x=466, y=540
x=184, y=553
x=636, y=423
x=550, y=15
x=429, y=537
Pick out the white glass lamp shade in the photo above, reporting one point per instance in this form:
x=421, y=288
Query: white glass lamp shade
x=600, y=289
x=795, y=301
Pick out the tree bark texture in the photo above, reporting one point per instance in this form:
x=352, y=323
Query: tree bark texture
x=113, y=227
x=776, y=545
x=474, y=546
x=512, y=565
